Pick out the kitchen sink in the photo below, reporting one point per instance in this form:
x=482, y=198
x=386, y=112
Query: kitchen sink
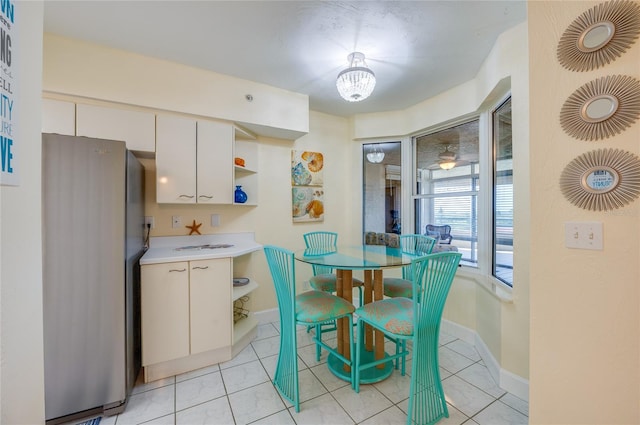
x=205, y=246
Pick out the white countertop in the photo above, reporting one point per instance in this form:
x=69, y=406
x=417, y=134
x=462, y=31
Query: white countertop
x=164, y=249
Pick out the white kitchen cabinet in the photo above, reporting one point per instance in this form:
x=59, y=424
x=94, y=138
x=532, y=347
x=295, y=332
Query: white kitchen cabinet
x=175, y=160
x=58, y=117
x=193, y=161
x=200, y=329
x=165, y=312
x=214, y=169
x=186, y=309
x=136, y=128
x=210, y=310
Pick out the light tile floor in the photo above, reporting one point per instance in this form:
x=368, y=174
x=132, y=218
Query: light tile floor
x=240, y=392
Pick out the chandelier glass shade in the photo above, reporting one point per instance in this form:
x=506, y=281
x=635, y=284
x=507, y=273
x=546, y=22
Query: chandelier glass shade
x=376, y=155
x=356, y=82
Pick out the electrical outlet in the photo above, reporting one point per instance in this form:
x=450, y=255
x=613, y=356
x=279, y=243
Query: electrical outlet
x=176, y=221
x=583, y=235
x=148, y=220
x=215, y=220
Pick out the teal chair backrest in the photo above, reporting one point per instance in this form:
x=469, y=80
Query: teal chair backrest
x=415, y=245
x=433, y=276
x=282, y=267
x=283, y=272
x=321, y=239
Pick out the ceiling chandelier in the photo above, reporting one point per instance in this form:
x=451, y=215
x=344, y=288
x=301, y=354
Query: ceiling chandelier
x=356, y=82
x=375, y=155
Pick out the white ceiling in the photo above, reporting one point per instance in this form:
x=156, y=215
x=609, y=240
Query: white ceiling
x=417, y=49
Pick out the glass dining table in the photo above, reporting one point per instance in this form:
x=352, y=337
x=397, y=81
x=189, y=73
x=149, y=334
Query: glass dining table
x=372, y=259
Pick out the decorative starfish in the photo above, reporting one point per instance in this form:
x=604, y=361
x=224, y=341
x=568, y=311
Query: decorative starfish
x=194, y=228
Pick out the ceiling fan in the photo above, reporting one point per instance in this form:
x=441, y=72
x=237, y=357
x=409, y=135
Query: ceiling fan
x=447, y=159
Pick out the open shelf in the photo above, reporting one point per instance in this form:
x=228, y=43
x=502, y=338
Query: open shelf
x=241, y=291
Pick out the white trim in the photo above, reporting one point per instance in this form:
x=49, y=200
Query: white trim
x=489, y=360
x=515, y=384
x=267, y=316
x=459, y=331
x=506, y=380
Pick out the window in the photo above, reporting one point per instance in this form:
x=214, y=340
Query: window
x=447, y=186
x=502, y=194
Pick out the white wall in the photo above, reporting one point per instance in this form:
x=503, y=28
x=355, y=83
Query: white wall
x=78, y=68
x=585, y=305
x=21, y=346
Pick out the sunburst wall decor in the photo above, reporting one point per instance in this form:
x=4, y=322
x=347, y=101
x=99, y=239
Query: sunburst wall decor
x=599, y=35
x=601, y=108
x=602, y=180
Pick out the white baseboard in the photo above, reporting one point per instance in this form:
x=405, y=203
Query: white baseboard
x=459, y=331
x=515, y=384
x=506, y=380
x=267, y=316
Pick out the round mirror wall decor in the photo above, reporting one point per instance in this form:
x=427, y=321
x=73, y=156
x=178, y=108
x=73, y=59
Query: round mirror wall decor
x=601, y=108
x=602, y=180
x=599, y=35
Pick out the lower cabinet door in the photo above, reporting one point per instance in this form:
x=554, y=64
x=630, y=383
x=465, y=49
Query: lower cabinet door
x=211, y=319
x=165, y=312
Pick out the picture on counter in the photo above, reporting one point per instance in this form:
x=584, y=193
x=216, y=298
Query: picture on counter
x=306, y=168
x=307, y=203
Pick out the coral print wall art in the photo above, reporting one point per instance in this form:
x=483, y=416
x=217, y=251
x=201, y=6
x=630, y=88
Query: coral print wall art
x=307, y=193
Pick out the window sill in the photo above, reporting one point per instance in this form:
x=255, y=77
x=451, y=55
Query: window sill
x=488, y=283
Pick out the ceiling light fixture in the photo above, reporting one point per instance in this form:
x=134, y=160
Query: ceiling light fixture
x=447, y=164
x=447, y=159
x=376, y=155
x=357, y=82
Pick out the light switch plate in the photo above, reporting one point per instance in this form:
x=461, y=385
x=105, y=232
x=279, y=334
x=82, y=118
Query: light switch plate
x=583, y=235
x=215, y=220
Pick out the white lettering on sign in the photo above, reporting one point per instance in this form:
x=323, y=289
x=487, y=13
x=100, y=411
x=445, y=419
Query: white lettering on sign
x=9, y=146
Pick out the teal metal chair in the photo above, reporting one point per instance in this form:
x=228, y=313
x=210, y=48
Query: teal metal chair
x=416, y=320
x=324, y=278
x=403, y=287
x=411, y=244
x=308, y=308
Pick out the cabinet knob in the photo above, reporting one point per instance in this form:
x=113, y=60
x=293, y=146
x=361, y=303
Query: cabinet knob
x=201, y=268
x=186, y=196
x=176, y=270
x=205, y=196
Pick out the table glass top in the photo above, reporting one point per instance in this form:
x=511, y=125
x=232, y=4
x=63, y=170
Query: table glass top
x=355, y=257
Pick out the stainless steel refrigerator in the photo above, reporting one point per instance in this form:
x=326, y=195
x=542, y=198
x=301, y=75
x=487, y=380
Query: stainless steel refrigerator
x=93, y=237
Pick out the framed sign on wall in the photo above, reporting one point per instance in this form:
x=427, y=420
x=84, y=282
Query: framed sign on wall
x=10, y=159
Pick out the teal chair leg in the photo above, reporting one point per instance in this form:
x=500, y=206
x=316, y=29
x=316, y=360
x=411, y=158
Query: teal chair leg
x=318, y=346
x=356, y=357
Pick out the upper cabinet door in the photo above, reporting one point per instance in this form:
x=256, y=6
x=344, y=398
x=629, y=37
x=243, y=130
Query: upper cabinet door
x=175, y=160
x=58, y=117
x=135, y=128
x=214, y=162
